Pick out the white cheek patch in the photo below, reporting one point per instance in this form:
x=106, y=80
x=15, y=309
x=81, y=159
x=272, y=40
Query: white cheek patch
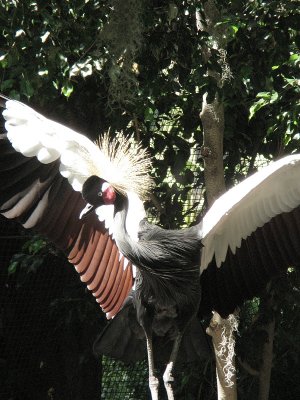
x=105, y=186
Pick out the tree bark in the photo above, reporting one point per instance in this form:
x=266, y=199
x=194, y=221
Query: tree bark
x=267, y=305
x=266, y=368
x=222, y=333
x=212, y=118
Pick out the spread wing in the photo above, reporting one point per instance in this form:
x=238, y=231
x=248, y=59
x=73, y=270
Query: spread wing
x=31, y=134
x=250, y=234
x=42, y=168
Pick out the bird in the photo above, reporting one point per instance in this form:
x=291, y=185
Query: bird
x=153, y=283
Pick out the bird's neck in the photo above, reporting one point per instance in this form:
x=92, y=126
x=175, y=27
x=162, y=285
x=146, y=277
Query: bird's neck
x=127, y=217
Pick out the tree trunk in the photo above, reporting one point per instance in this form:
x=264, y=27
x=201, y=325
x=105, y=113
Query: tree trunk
x=266, y=368
x=212, y=118
x=222, y=333
x=267, y=306
x=213, y=125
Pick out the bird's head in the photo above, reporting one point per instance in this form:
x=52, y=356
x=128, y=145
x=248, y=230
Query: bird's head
x=96, y=192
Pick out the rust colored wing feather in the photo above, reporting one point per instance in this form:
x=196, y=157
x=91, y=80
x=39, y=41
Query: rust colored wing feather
x=107, y=299
x=37, y=196
x=105, y=288
x=125, y=288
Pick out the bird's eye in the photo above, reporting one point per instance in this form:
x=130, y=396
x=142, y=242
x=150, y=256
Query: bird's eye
x=99, y=194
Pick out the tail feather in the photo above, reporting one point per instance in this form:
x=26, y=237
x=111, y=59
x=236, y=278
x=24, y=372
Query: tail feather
x=123, y=339
x=196, y=344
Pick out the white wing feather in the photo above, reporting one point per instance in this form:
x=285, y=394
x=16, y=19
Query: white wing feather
x=34, y=135
x=249, y=205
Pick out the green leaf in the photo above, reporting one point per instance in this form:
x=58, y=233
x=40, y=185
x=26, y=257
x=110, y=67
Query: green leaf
x=149, y=114
x=294, y=57
x=264, y=95
x=8, y=84
x=55, y=84
x=27, y=88
x=36, y=246
x=274, y=97
x=257, y=106
x=265, y=98
x=3, y=60
x=12, y=267
x=292, y=82
x=43, y=72
x=67, y=89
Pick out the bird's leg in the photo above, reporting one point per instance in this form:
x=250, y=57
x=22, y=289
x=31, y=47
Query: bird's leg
x=168, y=377
x=153, y=380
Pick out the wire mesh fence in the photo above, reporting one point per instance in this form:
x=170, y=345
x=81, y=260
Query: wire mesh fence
x=124, y=382
x=48, y=323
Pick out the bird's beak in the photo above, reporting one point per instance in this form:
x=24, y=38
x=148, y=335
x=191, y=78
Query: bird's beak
x=86, y=211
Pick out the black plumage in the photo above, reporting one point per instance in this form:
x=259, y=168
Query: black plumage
x=167, y=291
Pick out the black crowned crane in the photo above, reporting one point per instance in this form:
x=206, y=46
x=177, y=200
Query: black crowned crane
x=88, y=200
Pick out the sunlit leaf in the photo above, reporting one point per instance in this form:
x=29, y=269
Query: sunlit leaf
x=257, y=106
x=45, y=36
x=67, y=89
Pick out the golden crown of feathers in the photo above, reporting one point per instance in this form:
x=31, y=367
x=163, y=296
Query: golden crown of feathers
x=130, y=164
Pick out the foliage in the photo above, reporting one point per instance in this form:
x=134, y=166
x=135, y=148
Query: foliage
x=29, y=260
x=50, y=321
x=96, y=67
x=252, y=336
x=262, y=107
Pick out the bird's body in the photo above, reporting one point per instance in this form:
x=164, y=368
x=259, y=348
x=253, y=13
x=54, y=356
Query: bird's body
x=167, y=285
x=50, y=173
x=167, y=260
x=168, y=277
